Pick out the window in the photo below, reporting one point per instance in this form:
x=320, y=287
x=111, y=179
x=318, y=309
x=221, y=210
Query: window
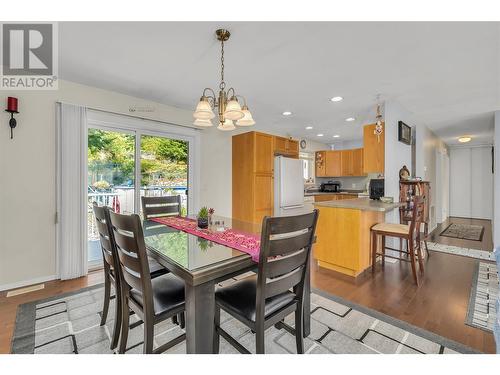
x=308, y=165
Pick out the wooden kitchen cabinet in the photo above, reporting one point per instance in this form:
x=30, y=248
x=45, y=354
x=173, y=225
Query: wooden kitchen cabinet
x=339, y=163
x=352, y=162
x=285, y=146
x=357, y=162
x=264, y=155
x=333, y=163
x=253, y=173
x=374, y=150
x=325, y=197
x=321, y=164
x=346, y=168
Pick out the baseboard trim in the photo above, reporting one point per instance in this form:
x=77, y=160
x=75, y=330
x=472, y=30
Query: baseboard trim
x=20, y=284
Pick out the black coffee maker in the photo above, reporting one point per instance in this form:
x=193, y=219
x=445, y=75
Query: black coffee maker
x=376, y=188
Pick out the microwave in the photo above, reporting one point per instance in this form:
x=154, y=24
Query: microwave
x=330, y=187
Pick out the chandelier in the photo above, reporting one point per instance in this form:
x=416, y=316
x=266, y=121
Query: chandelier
x=228, y=107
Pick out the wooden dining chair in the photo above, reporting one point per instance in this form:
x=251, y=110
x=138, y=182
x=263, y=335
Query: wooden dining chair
x=410, y=233
x=111, y=269
x=153, y=300
x=161, y=206
x=265, y=299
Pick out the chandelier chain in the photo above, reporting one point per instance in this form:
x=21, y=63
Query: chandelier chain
x=222, y=83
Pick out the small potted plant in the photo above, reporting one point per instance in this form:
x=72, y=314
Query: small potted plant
x=203, y=218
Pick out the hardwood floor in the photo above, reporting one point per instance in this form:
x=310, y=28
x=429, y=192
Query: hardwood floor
x=485, y=244
x=438, y=305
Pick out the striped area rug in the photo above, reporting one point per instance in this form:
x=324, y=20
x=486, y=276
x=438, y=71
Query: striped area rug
x=481, y=312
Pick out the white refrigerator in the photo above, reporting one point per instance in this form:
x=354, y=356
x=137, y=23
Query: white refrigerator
x=289, y=187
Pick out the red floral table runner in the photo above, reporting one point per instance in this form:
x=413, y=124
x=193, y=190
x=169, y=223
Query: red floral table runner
x=245, y=242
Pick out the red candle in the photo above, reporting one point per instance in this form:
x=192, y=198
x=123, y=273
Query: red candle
x=11, y=104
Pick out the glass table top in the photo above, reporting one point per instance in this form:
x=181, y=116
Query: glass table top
x=192, y=252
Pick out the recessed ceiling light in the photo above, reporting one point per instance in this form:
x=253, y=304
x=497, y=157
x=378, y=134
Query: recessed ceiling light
x=337, y=99
x=309, y=127
x=320, y=134
x=336, y=136
x=464, y=139
x=287, y=113
x=349, y=119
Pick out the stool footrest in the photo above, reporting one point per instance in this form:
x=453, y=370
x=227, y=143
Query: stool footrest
x=390, y=256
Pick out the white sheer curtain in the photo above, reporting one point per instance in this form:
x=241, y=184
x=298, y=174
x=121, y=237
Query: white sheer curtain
x=71, y=228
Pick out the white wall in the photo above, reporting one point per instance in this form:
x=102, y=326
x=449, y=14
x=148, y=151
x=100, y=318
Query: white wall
x=496, y=183
x=471, y=182
x=27, y=178
x=397, y=153
x=347, y=145
x=442, y=189
x=428, y=146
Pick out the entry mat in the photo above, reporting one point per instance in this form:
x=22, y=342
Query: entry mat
x=464, y=232
x=70, y=324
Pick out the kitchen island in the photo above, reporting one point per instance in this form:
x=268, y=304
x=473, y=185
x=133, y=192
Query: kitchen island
x=343, y=233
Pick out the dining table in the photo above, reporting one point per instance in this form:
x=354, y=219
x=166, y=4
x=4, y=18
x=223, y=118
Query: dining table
x=203, y=264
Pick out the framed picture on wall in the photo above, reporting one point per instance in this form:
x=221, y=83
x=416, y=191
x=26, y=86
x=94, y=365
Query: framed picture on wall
x=404, y=133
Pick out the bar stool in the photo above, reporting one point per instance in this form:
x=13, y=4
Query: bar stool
x=410, y=233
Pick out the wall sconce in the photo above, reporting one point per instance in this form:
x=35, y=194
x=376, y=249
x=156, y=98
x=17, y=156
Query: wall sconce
x=12, y=108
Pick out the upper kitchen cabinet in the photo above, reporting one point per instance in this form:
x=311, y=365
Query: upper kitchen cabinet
x=339, y=163
x=286, y=147
x=321, y=163
x=358, y=162
x=333, y=165
x=264, y=153
x=346, y=168
x=374, y=150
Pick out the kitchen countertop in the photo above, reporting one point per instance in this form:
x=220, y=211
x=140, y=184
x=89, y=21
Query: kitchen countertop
x=352, y=192
x=363, y=204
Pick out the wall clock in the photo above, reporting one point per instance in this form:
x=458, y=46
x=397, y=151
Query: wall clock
x=303, y=144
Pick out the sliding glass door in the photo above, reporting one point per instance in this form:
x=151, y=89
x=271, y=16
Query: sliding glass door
x=110, y=179
x=164, y=168
x=125, y=164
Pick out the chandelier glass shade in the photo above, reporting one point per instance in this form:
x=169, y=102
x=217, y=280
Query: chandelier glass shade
x=203, y=110
x=202, y=122
x=226, y=102
x=247, y=119
x=226, y=126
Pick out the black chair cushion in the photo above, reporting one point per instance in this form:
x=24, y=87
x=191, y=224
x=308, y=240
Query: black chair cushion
x=168, y=293
x=155, y=268
x=240, y=298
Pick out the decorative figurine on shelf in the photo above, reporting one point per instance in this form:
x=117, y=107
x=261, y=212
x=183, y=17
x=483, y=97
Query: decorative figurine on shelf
x=379, y=128
x=203, y=218
x=404, y=173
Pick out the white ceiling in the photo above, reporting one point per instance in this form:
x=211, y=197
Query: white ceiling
x=447, y=74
